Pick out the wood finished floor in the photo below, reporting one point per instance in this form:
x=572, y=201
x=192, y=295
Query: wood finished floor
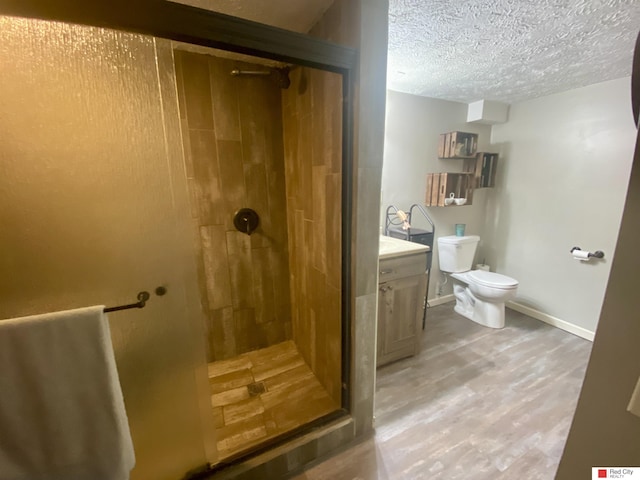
x=261, y=394
x=475, y=404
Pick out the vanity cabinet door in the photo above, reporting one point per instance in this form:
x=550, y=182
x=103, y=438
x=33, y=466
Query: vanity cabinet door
x=400, y=309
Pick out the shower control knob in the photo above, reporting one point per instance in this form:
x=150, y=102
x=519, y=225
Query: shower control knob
x=246, y=220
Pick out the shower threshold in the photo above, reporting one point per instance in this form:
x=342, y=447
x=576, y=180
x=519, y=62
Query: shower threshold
x=264, y=394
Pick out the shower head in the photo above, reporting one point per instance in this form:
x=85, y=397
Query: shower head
x=237, y=73
x=280, y=75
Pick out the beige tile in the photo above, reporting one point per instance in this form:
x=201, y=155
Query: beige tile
x=331, y=127
x=231, y=380
x=262, y=372
x=301, y=254
x=204, y=157
x=281, y=351
x=257, y=199
x=304, y=409
x=243, y=410
x=279, y=269
x=276, y=188
x=241, y=435
x=334, y=230
x=273, y=127
x=270, y=424
x=336, y=139
x=288, y=385
x=222, y=334
x=197, y=90
x=263, y=292
x=254, y=117
x=303, y=90
x=216, y=266
x=208, y=340
x=186, y=150
x=318, y=141
x=319, y=213
x=197, y=249
x=311, y=321
x=300, y=392
x=218, y=418
x=274, y=332
x=305, y=173
x=290, y=379
x=240, y=269
x=229, y=397
x=232, y=180
x=232, y=365
x=224, y=94
x=291, y=160
x=314, y=210
x=233, y=163
x=293, y=397
x=177, y=55
x=248, y=334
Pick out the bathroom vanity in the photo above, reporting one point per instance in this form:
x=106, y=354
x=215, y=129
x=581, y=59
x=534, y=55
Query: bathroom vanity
x=401, y=298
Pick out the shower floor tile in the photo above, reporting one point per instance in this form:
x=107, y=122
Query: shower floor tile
x=262, y=394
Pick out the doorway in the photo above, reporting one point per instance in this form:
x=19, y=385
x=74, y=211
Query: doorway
x=149, y=378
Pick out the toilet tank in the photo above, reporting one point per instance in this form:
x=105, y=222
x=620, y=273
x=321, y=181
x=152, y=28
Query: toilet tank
x=456, y=253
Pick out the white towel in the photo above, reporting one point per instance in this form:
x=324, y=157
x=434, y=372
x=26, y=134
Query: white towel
x=62, y=415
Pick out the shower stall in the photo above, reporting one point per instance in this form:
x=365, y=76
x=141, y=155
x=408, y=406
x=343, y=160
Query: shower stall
x=264, y=140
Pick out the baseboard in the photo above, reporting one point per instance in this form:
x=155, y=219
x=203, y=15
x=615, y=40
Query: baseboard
x=554, y=321
x=440, y=300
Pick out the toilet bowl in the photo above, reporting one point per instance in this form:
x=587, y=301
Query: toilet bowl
x=480, y=295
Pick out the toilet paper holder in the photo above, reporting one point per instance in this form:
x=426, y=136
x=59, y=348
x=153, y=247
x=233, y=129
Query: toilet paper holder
x=596, y=254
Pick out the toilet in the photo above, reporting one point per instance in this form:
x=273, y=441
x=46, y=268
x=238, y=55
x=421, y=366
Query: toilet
x=480, y=295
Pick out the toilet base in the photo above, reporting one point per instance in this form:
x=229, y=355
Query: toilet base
x=487, y=314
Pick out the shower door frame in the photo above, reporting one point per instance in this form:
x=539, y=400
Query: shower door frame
x=183, y=23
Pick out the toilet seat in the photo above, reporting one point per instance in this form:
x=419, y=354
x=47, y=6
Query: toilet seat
x=492, y=279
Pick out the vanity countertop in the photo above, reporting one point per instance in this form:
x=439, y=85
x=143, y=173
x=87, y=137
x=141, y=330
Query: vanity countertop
x=394, y=247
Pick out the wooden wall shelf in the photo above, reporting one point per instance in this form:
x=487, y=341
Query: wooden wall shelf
x=458, y=145
x=483, y=168
x=478, y=170
x=441, y=185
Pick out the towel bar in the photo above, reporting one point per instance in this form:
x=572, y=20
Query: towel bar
x=142, y=300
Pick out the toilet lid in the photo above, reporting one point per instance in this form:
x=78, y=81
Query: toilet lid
x=491, y=279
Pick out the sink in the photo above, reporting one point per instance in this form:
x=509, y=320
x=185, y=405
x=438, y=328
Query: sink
x=394, y=247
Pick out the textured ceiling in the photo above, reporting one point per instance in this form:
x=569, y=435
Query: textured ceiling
x=508, y=50
x=467, y=50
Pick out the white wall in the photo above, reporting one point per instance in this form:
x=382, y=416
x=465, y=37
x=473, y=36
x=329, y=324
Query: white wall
x=561, y=182
x=603, y=432
x=413, y=124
